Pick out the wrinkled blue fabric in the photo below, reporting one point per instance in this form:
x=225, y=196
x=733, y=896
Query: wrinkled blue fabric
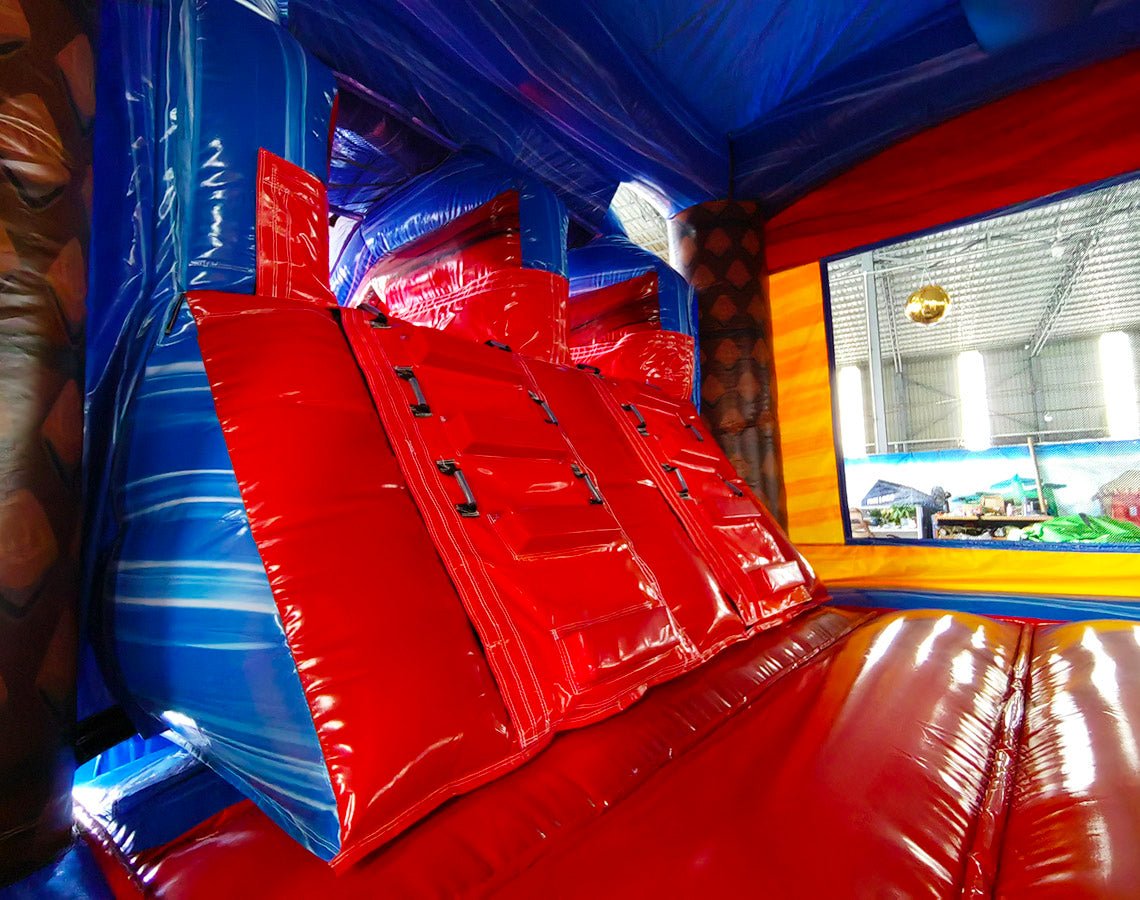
x=695, y=100
x=735, y=62
x=373, y=154
x=548, y=87
x=153, y=797
x=435, y=198
x=179, y=607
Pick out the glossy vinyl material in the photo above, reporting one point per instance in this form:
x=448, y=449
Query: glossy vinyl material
x=599, y=267
x=1054, y=137
x=401, y=699
x=692, y=100
x=188, y=92
x=485, y=838
x=660, y=359
x=434, y=199
x=1074, y=826
x=983, y=856
x=757, y=565
x=124, y=753
x=516, y=515
x=685, y=578
x=152, y=800
x=199, y=645
x=467, y=278
x=931, y=752
x=905, y=87
x=242, y=85
x=878, y=751
x=606, y=313
x=522, y=82
x=617, y=329
x=372, y=154
x=292, y=232
x=613, y=258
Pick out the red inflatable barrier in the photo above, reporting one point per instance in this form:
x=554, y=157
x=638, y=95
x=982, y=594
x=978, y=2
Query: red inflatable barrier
x=606, y=313
x=1073, y=826
x=617, y=330
x=403, y=703
x=572, y=619
x=468, y=847
x=467, y=278
x=838, y=782
x=762, y=572
x=687, y=581
x=292, y=232
x=895, y=744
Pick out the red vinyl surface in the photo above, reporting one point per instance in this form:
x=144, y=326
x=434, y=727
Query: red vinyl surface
x=607, y=548
x=1074, y=828
x=1056, y=136
x=911, y=754
x=839, y=755
x=467, y=847
x=861, y=774
x=665, y=360
x=687, y=582
x=403, y=702
x=609, y=312
x=617, y=330
x=760, y=570
x=292, y=232
x=467, y=278
x=571, y=617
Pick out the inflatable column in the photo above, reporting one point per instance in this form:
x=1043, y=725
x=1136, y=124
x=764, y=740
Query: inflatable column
x=718, y=248
x=46, y=106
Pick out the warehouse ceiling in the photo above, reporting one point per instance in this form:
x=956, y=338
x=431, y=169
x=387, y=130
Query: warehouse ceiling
x=642, y=221
x=1064, y=269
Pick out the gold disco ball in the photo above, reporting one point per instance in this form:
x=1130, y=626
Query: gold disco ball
x=928, y=304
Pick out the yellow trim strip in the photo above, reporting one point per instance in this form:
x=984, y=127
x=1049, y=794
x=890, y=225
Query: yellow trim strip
x=799, y=348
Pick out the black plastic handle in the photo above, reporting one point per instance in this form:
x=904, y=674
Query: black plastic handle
x=734, y=489
x=696, y=431
x=595, y=494
x=550, y=417
x=378, y=320
x=498, y=345
x=642, y=426
x=682, y=485
x=585, y=367
x=420, y=408
x=469, y=508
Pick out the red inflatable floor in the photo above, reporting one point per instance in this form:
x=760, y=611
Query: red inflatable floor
x=844, y=754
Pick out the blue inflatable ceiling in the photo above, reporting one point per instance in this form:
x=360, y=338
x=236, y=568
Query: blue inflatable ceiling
x=694, y=99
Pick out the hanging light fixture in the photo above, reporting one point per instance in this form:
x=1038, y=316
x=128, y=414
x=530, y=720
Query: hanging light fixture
x=928, y=304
